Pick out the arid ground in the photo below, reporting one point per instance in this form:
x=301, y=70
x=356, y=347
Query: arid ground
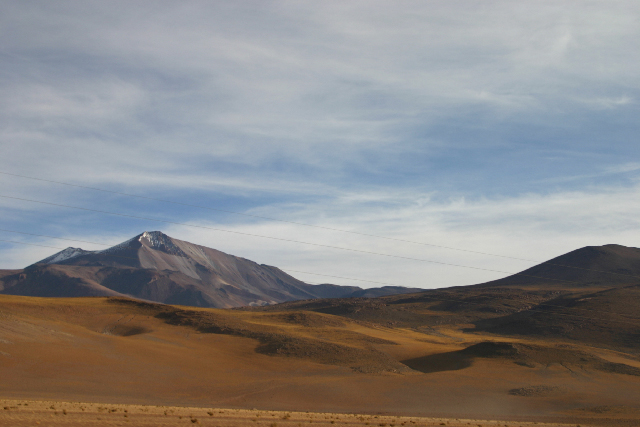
x=28, y=412
x=114, y=351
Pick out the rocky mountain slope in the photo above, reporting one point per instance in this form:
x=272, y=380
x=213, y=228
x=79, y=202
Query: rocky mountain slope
x=155, y=267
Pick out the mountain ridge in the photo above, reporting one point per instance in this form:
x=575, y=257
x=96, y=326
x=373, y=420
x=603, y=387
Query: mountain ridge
x=157, y=267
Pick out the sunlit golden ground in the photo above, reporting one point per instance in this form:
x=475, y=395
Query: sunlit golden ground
x=96, y=350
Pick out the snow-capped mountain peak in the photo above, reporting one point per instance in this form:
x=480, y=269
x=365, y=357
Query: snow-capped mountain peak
x=159, y=241
x=64, y=255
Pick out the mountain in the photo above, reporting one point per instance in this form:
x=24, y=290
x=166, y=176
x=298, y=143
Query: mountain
x=155, y=267
x=589, y=296
x=525, y=345
x=591, y=266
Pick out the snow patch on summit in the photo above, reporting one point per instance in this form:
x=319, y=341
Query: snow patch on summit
x=161, y=242
x=64, y=255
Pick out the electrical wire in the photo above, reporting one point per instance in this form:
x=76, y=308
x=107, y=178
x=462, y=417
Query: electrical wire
x=278, y=238
x=264, y=217
x=303, y=224
x=57, y=238
x=310, y=243
x=428, y=296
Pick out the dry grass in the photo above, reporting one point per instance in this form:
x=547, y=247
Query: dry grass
x=29, y=412
x=93, y=349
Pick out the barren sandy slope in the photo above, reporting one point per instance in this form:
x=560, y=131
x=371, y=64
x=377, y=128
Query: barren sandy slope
x=114, y=351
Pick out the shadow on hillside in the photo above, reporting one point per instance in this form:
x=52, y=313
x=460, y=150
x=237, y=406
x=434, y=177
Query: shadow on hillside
x=451, y=361
x=461, y=359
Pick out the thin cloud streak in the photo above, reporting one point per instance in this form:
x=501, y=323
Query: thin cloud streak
x=493, y=125
x=531, y=226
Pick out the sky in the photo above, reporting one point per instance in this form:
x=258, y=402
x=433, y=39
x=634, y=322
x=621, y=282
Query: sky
x=406, y=136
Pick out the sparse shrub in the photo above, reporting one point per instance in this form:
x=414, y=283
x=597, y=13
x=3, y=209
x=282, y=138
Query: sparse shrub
x=194, y=420
x=273, y=425
x=210, y=413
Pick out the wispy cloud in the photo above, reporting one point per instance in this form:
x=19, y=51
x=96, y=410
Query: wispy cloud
x=532, y=227
x=437, y=120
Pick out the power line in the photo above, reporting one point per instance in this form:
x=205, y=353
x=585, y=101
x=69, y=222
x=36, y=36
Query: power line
x=342, y=277
x=104, y=244
x=30, y=244
x=298, y=223
x=337, y=277
x=428, y=296
x=57, y=247
x=279, y=238
x=314, y=244
x=126, y=257
x=54, y=237
x=265, y=217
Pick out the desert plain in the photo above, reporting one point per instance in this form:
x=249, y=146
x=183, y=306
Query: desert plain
x=110, y=361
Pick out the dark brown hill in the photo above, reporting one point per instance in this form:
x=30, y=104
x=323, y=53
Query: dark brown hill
x=605, y=318
x=591, y=266
x=155, y=267
x=609, y=318
x=596, y=307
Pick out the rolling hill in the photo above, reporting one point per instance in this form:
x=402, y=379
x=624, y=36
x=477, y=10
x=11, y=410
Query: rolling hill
x=589, y=296
x=592, y=266
x=516, y=349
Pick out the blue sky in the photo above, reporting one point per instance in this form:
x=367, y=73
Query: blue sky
x=502, y=127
